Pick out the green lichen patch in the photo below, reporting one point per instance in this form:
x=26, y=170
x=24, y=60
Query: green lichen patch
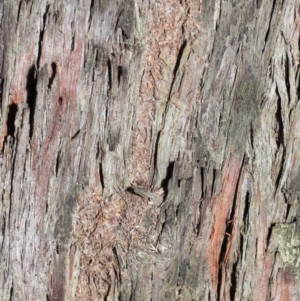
x=285, y=239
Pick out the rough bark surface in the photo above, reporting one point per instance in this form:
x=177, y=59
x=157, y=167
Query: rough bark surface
x=149, y=150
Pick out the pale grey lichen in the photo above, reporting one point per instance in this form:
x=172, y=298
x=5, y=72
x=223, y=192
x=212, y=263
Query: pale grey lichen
x=285, y=239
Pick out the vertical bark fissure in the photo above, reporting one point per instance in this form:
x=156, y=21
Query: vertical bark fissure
x=269, y=25
x=31, y=87
x=280, y=139
x=41, y=37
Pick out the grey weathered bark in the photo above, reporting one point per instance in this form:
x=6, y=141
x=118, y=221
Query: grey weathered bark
x=150, y=150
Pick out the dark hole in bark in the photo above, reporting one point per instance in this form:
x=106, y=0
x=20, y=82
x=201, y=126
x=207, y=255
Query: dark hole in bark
x=298, y=86
x=101, y=175
x=91, y=11
x=278, y=116
x=1, y=90
x=280, y=170
x=180, y=53
x=233, y=281
x=3, y=226
x=60, y=100
x=119, y=74
x=179, y=56
x=31, y=95
x=57, y=163
x=241, y=244
x=288, y=208
x=19, y=11
x=287, y=77
x=166, y=180
x=251, y=136
x=109, y=82
x=178, y=209
x=73, y=43
x=105, y=298
x=213, y=181
x=124, y=35
x=246, y=210
x=11, y=297
x=122, y=71
x=155, y=154
x=270, y=233
x=203, y=192
x=11, y=117
x=51, y=79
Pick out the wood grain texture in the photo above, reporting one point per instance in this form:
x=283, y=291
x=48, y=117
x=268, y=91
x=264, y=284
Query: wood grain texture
x=149, y=150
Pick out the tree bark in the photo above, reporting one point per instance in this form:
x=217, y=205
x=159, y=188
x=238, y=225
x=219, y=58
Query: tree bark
x=149, y=150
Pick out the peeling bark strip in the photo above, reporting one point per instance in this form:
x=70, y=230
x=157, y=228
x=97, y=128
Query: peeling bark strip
x=149, y=150
x=222, y=205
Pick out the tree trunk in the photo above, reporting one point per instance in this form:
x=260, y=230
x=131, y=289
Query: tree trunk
x=150, y=150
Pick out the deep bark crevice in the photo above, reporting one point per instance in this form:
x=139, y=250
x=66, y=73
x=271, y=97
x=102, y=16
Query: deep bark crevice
x=166, y=180
x=52, y=77
x=1, y=92
x=3, y=229
x=203, y=182
x=233, y=280
x=177, y=65
x=279, y=175
x=101, y=175
x=287, y=76
x=246, y=211
x=11, y=117
x=42, y=36
x=269, y=25
x=251, y=136
x=57, y=164
x=75, y=135
x=155, y=157
x=213, y=181
x=270, y=229
x=31, y=87
x=11, y=297
x=19, y=11
x=118, y=20
x=109, y=79
x=288, y=209
x=73, y=37
x=91, y=14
